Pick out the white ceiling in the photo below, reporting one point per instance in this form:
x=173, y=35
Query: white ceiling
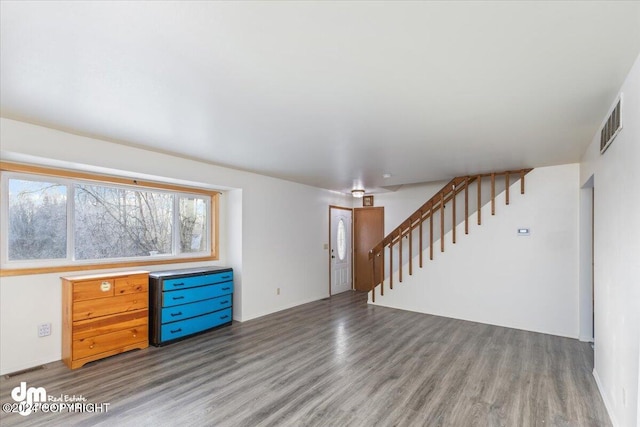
x=330, y=94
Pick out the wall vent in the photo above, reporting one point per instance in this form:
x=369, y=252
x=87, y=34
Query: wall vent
x=611, y=127
x=24, y=371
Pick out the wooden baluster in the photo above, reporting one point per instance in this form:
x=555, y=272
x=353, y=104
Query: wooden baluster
x=493, y=194
x=466, y=205
x=391, y=265
x=400, y=255
x=373, y=278
x=506, y=183
x=410, y=247
x=453, y=215
x=373, y=287
x=442, y=222
x=420, y=238
x=522, y=181
x=431, y=231
x=479, y=199
x=382, y=261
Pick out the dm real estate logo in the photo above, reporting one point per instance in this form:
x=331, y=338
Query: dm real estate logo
x=35, y=399
x=28, y=397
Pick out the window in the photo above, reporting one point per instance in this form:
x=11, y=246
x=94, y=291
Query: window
x=116, y=222
x=37, y=220
x=341, y=240
x=58, y=220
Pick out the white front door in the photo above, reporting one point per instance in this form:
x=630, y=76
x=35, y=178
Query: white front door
x=340, y=250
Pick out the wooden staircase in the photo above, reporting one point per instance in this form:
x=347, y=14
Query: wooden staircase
x=435, y=207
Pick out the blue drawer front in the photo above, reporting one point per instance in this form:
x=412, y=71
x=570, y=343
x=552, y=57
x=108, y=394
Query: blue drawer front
x=180, y=312
x=190, y=282
x=196, y=324
x=187, y=296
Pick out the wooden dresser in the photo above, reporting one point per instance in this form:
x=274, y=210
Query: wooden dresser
x=104, y=315
x=189, y=301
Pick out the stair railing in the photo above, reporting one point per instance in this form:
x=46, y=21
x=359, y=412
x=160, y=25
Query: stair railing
x=426, y=212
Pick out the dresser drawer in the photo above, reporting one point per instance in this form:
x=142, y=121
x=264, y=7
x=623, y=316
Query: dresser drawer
x=186, y=296
x=105, y=306
x=131, y=285
x=196, y=324
x=102, y=343
x=93, y=289
x=190, y=282
x=107, y=324
x=180, y=312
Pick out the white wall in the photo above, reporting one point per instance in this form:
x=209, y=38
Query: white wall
x=617, y=258
x=586, y=257
x=272, y=233
x=398, y=205
x=495, y=276
x=234, y=246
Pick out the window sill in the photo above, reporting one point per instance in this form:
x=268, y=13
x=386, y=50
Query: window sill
x=102, y=266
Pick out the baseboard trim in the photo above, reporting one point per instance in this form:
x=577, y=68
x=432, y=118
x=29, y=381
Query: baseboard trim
x=474, y=320
x=585, y=338
x=284, y=307
x=607, y=404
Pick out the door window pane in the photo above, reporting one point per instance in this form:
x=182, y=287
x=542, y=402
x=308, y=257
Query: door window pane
x=341, y=240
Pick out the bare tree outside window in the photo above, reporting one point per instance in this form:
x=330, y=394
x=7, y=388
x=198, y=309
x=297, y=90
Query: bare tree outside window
x=193, y=224
x=113, y=222
x=37, y=220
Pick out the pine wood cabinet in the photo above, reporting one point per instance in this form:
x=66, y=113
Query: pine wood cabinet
x=104, y=315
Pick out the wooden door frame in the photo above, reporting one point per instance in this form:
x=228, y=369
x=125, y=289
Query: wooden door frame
x=329, y=247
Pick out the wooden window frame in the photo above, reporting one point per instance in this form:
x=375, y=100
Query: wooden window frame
x=106, y=179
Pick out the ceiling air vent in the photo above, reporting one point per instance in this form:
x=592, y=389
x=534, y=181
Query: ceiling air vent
x=611, y=127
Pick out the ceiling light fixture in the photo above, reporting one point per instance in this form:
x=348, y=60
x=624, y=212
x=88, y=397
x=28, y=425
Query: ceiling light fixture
x=386, y=175
x=357, y=193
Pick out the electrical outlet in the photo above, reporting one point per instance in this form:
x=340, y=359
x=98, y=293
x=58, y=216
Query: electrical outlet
x=44, y=329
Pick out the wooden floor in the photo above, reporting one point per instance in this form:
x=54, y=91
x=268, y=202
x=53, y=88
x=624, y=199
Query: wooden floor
x=336, y=362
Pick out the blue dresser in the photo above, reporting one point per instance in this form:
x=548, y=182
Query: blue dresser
x=188, y=301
